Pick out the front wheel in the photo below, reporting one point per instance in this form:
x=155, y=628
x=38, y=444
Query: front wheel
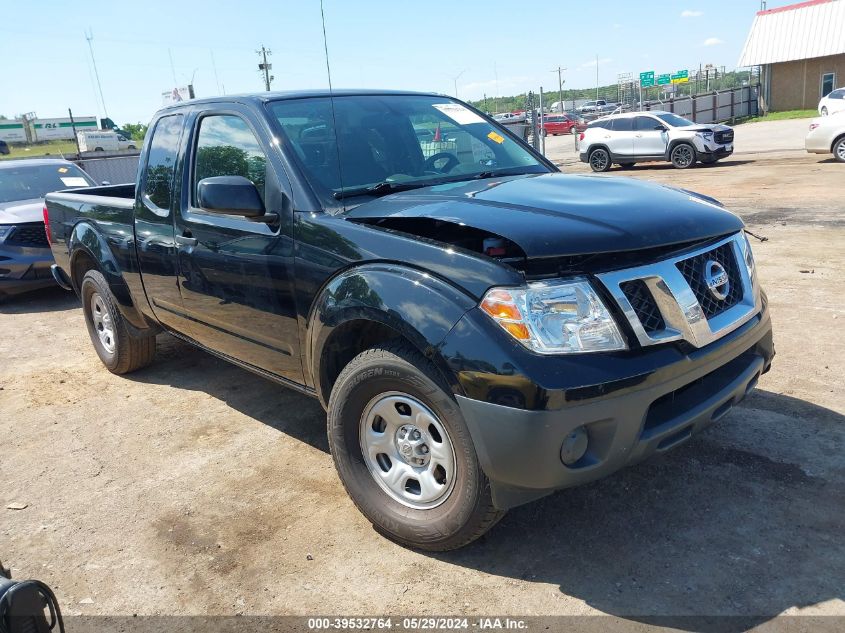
x=404, y=452
x=683, y=156
x=839, y=150
x=824, y=110
x=599, y=160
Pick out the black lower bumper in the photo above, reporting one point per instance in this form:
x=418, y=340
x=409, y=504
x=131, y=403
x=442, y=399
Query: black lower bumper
x=23, y=269
x=520, y=450
x=717, y=154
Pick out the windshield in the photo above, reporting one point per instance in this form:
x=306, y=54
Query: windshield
x=28, y=182
x=386, y=142
x=674, y=120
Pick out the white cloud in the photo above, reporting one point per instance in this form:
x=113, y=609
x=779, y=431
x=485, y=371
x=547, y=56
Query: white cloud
x=689, y=13
x=592, y=62
x=713, y=41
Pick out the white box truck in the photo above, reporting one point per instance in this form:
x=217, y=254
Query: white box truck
x=103, y=141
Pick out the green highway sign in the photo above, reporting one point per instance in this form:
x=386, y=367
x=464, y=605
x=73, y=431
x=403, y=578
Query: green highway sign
x=647, y=79
x=680, y=77
x=662, y=80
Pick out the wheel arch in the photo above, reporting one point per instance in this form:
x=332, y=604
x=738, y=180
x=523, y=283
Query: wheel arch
x=835, y=141
x=366, y=305
x=678, y=141
x=89, y=251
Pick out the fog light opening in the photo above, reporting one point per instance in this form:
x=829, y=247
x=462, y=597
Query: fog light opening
x=574, y=446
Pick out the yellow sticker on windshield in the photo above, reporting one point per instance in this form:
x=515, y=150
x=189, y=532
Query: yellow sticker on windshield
x=62, y=170
x=498, y=138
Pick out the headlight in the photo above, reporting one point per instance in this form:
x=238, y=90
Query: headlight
x=560, y=317
x=707, y=136
x=749, y=257
x=5, y=230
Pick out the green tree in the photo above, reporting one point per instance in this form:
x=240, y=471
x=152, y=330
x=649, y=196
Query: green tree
x=137, y=131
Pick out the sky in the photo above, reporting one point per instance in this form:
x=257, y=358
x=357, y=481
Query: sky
x=491, y=47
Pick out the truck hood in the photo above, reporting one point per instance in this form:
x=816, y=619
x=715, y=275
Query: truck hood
x=555, y=215
x=21, y=211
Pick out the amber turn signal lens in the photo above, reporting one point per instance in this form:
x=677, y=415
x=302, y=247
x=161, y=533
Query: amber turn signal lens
x=517, y=330
x=500, y=310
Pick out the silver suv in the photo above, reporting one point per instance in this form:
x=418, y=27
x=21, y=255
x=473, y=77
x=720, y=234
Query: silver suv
x=638, y=137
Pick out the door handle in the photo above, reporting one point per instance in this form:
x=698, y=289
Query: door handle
x=639, y=135
x=186, y=239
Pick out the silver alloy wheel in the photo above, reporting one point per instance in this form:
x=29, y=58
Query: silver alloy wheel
x=682, y=155
x=840, y=150
x=407, y=450
x=102, y=322
x=599, y=160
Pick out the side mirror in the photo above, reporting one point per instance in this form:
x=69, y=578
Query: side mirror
x=230, y=195
x=661, y=128
x=105, y=183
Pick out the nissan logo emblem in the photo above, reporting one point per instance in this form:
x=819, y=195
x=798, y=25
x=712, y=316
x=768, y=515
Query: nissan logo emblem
x=716, y=278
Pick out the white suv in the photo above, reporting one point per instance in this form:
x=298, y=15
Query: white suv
x=638, y=137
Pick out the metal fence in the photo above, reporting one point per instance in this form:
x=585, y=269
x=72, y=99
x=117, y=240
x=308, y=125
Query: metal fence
x=713, y=107
x=115, y=169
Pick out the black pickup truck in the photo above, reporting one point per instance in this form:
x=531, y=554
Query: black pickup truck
x=481, y=329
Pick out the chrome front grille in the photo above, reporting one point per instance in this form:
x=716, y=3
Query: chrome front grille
x=692, y=269
x=671, y=300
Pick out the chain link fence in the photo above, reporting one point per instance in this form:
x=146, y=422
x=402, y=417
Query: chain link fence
x=115, y=169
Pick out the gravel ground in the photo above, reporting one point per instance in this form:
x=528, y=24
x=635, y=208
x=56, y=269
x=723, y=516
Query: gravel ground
x=194, y=487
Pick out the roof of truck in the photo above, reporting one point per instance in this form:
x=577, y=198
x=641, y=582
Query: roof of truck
x=263, y=97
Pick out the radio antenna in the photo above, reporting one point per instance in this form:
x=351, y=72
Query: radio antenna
x=331, y=94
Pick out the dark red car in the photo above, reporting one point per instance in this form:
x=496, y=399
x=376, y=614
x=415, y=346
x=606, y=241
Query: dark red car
x=557, y=124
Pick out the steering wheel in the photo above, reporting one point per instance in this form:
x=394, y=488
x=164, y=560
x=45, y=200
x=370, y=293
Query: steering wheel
x=452, y=161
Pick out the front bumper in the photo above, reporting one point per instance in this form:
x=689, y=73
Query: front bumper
x=24, y=268
x=715, y=153
x=638, y=410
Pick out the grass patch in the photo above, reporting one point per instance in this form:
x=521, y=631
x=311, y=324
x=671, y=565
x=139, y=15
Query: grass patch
x=49, y=149
x=786, y=114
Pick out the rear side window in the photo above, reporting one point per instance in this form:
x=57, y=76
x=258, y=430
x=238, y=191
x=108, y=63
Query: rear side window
x=837, y=94
x=226, y=146
x=623, y=124
x=161, y=163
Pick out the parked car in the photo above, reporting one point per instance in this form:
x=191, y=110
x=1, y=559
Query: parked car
x=481, y=328
x=4, y=148
x=600, y=105
x=25, y=256
x=827, y=136
x=555, y=124
x=510, y=117
x=833, y=102
x=636, y=137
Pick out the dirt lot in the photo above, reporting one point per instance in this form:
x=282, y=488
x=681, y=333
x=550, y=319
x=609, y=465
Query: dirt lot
x=196, y=487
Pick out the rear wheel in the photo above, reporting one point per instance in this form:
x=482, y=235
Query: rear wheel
x=120, y=350
x=404, y=453
x=839, y=150
x=824, y=110
x=683, y=156
x=599, y=160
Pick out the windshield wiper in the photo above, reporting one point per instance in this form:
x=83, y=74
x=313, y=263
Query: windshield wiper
x=379, y=189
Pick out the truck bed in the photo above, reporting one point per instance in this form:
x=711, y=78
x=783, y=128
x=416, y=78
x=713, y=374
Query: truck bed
x=107, y=209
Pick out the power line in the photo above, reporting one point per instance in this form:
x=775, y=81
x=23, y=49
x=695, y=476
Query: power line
x=265, y=67
x=89, y=36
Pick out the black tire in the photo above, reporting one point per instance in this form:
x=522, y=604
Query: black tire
x=839, y=150
x=683, y=156
x=466, y=512
x=132, y=147
x=129, y=351
x=600, y=160
x=824, y=111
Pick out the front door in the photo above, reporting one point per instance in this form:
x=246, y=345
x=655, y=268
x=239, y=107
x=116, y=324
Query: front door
x=236, y=273
x=650, y=136
x=621, y=138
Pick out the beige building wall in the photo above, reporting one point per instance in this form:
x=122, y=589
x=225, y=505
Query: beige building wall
x=797, y=85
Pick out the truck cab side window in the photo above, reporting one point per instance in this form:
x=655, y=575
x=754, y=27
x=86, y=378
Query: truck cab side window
x=226, y=146
x=161, y=163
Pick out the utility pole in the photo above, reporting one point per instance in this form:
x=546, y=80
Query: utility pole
x=265, y=67
x=559, y=72
x=73, y=127
x=89, y=35
x=597, y=77
x=455, y=78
